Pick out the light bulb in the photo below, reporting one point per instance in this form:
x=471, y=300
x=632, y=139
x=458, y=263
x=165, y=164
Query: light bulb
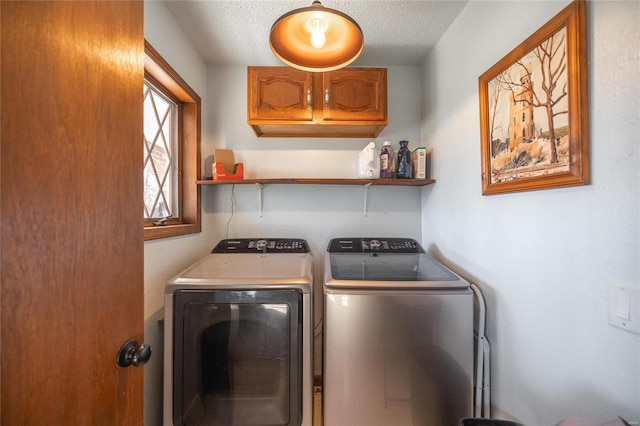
x=317, y=27
x=318, y=39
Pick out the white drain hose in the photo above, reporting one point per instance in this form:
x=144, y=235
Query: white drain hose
x=483, y=362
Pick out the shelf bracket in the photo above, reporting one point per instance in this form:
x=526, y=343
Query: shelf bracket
x=365, y=188
x=260, y=188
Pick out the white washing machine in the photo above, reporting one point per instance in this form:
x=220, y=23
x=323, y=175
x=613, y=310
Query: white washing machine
x=398, y=336
x=238, y=336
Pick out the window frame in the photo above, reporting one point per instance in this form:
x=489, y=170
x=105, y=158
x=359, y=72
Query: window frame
x=161, y=74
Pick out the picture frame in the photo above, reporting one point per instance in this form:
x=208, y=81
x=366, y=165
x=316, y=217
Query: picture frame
x=534, y=127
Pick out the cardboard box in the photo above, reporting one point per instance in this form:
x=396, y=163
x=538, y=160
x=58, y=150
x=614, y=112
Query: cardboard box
x=224, y=168
x=421, y=163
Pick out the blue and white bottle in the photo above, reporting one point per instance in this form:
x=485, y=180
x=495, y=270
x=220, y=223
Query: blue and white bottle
x=404, y=169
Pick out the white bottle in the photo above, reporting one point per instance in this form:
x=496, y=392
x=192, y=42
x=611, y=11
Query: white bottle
x=368, y=162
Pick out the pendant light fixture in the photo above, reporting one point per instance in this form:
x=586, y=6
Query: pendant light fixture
x=316, y=38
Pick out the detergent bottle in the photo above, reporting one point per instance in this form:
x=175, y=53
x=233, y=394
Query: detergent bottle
x=387, y=161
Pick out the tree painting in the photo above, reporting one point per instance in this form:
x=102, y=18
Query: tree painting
x=528, y=108
x=534, y=110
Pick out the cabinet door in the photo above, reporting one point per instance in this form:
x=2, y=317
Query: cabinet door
x=355, y=94
x=279, y=93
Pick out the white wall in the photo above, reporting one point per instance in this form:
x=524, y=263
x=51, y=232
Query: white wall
x=544, y=258
x=165, y=258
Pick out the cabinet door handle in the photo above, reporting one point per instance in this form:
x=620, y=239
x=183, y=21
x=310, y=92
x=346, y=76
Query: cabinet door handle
x=308, y=98
x=326, y=98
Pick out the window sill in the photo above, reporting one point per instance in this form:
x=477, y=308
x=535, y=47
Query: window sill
x=166, y=231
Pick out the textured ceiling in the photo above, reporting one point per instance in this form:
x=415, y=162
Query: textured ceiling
x=237, y=31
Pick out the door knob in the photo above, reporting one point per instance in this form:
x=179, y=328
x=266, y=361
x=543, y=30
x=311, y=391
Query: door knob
x=134, y=353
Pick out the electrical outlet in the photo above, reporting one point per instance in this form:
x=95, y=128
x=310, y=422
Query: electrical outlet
x=624, y=307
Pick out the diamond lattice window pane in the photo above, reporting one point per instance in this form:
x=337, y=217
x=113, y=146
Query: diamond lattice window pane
x=160, y=155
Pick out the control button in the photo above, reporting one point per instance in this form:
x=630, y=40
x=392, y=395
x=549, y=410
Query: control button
x=375, y=244
x=261, y=244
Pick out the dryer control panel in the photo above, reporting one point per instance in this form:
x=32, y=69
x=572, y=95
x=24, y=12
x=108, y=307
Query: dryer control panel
x=378, y=245
x=264, y=245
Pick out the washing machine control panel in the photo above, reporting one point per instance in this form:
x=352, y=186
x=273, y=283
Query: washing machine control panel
x=264, y=245
x=379, y=245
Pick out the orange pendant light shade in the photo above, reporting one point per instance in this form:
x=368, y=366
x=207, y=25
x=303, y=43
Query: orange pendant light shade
x=316, y=39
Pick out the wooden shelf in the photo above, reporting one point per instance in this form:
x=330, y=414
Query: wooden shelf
x=321, y=181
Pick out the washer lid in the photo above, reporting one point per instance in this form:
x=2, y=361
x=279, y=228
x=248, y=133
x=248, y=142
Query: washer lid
x=394, y=263
x=238, y=270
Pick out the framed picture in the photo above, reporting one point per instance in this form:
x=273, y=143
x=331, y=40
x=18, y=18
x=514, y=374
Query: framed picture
x=534, y=110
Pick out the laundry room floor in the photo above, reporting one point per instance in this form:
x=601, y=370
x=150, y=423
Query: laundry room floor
x=317, y=406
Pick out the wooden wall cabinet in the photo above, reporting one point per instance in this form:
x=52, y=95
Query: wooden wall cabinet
x=347, y=103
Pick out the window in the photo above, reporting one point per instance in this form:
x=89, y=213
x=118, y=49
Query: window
x=171, y=151
x=161, y=192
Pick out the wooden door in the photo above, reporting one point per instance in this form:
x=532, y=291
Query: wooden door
x=355, y=94
x=71, y=211
x=279, y=93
